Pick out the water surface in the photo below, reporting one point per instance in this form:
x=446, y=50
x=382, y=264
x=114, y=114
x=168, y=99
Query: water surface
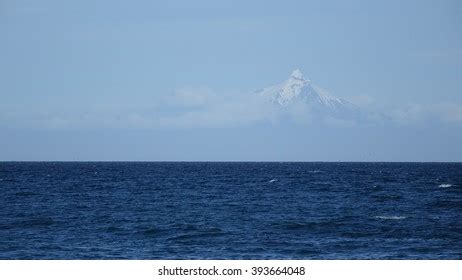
x=88, y=210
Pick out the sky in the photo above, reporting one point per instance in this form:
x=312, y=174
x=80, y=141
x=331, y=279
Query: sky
x=171, y=80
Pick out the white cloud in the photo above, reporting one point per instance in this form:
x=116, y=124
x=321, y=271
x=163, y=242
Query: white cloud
x=340, y=122
x=192, y=97
x=222, y=110
x=361, y=100
x=408, y=114
x=201, y=107
x=417, y=113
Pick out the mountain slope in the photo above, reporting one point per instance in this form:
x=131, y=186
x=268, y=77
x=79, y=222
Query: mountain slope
x=297, y=90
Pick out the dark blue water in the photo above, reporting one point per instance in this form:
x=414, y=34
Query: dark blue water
x=230, y=210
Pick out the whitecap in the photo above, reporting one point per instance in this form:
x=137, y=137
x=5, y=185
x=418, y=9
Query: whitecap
x=445, y=186
x=390, y=217
x=315, y=171
x=272, y=181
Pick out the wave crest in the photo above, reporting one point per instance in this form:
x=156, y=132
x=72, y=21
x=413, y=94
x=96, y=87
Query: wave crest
x=390, y=217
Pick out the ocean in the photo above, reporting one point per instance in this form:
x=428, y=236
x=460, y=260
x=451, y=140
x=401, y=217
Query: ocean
x=230, y=210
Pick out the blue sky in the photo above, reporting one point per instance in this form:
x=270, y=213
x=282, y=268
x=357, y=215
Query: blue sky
x=104, y=71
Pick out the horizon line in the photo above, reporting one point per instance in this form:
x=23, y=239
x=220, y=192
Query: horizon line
x=210, y=161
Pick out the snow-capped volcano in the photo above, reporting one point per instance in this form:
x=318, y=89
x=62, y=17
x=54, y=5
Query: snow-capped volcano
x=298, y=89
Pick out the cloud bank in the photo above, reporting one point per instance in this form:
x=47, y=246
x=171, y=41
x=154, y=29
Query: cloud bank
x=202, y=108
x=295, y=100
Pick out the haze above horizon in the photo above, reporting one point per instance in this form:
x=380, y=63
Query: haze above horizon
x=182, y=81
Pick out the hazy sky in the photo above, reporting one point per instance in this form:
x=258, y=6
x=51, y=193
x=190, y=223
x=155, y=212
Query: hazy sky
x=91, y=80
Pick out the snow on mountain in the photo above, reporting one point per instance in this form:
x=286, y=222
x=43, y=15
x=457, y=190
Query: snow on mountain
x=297, y=90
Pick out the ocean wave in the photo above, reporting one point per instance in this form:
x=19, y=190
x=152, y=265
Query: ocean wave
x=25, y=193
x=150, y=232
x=390, y=217
x=196, y=236
x=28, y=223
x=113, y=229
x=445, y=186
x=324, y=225
x=447, y=203
x=272, y=180
x=294, y=225
x=203, y=233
